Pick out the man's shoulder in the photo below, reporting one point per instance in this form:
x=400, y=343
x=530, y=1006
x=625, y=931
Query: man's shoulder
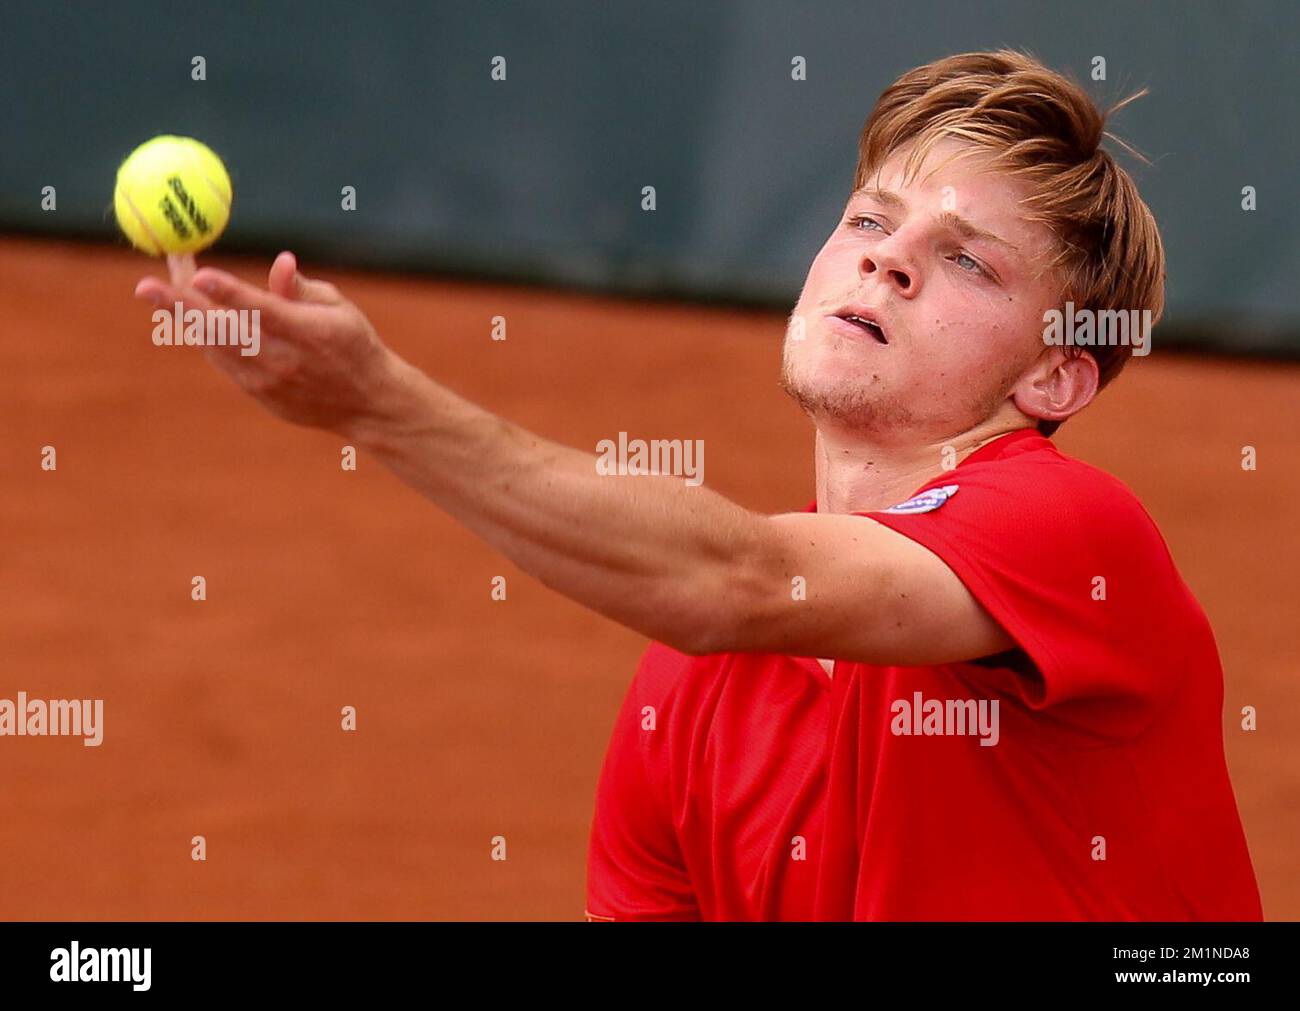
x=1029, y=506
x=1038, y=474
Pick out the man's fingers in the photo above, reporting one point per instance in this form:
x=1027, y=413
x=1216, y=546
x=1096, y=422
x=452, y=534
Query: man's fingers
x=181, y=266
x=279, y=315
x=287, y=281
x=164, y=296
x=280, y=279
x=154, y=290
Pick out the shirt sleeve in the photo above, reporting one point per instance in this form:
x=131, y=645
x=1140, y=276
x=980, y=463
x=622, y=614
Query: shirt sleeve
x=1065, y=558
x=635, y=869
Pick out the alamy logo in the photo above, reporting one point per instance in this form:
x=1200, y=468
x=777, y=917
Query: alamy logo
x=1090, y=328
x=677, y=457
x=195, y=328
x=53, y=718
x=75, y=964
x=922, y=717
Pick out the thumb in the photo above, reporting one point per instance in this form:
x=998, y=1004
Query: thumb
x=288, y=282
x=280, y=280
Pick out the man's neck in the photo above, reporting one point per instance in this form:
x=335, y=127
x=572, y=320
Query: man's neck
x=857, y=474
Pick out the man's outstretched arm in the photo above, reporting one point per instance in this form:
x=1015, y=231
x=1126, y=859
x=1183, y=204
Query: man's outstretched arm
x=679, y=564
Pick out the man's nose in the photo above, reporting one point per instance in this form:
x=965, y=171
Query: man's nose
x=890, y=263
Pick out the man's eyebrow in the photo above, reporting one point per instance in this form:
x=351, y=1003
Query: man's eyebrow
x=968, y=231
x=887, y=197
x=947, y=219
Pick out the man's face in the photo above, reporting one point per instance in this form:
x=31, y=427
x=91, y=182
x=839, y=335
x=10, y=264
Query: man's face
x=960, y=313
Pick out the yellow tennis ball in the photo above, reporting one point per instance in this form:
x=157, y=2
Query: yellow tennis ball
x=172, y=196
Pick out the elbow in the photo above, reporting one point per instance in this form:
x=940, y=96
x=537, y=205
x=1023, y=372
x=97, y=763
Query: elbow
x=704, y=641
x=702, y=629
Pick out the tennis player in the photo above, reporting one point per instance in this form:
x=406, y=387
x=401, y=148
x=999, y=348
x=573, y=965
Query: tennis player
x=968, y=681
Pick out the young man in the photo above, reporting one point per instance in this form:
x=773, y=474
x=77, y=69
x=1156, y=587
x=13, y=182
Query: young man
x=1017, y=710
x=1035, y=731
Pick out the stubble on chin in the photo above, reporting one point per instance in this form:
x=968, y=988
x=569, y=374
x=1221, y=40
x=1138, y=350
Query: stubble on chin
x=858, y=402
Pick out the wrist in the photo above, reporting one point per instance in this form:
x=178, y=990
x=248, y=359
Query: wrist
x=392, y=407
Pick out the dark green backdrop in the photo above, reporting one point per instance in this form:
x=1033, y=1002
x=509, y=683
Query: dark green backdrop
x=540, y=177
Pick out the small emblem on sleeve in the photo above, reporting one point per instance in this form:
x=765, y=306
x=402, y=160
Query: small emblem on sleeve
x=926, y=502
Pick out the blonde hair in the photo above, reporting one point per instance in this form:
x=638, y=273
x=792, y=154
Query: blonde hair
x=1044, y=129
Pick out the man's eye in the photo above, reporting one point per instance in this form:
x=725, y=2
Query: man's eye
x=974, y=267
x=862, y=219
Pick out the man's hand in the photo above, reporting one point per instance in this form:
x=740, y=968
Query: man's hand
x=320, y=363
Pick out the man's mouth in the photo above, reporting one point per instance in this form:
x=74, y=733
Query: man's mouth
x=868, y=326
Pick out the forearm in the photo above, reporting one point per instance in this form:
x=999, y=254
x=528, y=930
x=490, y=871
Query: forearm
x=652, y=553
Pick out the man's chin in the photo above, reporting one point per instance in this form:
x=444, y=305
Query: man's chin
x=851, y=407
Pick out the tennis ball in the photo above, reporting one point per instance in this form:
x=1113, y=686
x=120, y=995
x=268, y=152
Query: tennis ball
x=172, y=196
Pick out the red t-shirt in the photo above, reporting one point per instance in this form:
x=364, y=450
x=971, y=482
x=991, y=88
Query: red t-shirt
x=710, y=800
x=1081, y=776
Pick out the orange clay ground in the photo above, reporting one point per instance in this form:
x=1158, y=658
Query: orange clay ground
x=329, y=588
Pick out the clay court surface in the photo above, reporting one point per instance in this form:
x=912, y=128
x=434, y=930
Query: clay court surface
x=476, y=718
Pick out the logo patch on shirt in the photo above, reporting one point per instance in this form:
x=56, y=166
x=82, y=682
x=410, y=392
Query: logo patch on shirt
x=926, y=502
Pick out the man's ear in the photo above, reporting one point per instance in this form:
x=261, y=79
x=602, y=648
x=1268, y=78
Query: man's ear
x=1061, y=383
